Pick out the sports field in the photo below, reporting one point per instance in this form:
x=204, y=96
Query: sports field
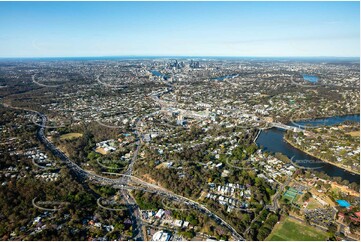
x=291, y=229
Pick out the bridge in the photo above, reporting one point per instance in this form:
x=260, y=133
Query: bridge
x=286, y=127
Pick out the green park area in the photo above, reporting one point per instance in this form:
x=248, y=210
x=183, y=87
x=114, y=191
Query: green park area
x=291, y=229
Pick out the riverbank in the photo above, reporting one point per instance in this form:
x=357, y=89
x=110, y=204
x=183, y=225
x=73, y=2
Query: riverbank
x=317, y=157
x=319, y=118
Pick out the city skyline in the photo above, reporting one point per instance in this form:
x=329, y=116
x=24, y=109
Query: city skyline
x=224, y=29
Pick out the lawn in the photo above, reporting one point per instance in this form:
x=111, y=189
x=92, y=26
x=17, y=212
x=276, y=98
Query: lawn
x=313, y=204
x=291, y=229
x=70, y=136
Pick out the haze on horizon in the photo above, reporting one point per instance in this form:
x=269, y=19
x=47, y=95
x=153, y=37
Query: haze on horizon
x=259, y=29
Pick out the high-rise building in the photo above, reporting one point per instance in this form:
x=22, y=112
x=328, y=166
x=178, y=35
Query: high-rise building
x=194, y=64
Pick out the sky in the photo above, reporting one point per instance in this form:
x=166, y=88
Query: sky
x=269, y=29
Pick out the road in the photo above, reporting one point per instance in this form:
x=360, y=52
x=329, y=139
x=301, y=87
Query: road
x=274, y=207
x=135, y=215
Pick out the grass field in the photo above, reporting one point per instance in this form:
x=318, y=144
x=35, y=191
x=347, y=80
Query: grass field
x=70, y=136
x=291, y=229
x=101, y=150
x=354, y=133
x=313, y=204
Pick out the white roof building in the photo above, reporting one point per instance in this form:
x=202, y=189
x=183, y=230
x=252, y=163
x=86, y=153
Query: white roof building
x=178, y=223
x=161, y=236
x=160, y=213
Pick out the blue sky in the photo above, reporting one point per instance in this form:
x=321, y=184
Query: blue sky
x=51, y=29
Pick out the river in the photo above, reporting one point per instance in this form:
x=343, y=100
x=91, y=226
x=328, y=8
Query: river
x=272, y=140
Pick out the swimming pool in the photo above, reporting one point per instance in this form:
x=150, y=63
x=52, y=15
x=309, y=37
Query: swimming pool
x=343, y=203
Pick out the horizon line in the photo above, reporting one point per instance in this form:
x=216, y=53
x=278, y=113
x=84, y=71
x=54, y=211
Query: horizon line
x=165, y=56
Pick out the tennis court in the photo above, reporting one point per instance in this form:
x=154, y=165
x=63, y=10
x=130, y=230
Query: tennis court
x=291, y=194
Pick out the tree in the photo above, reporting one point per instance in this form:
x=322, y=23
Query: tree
x=189, y=234
x=332, y=228
x=307, y=196
x=192, y=220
